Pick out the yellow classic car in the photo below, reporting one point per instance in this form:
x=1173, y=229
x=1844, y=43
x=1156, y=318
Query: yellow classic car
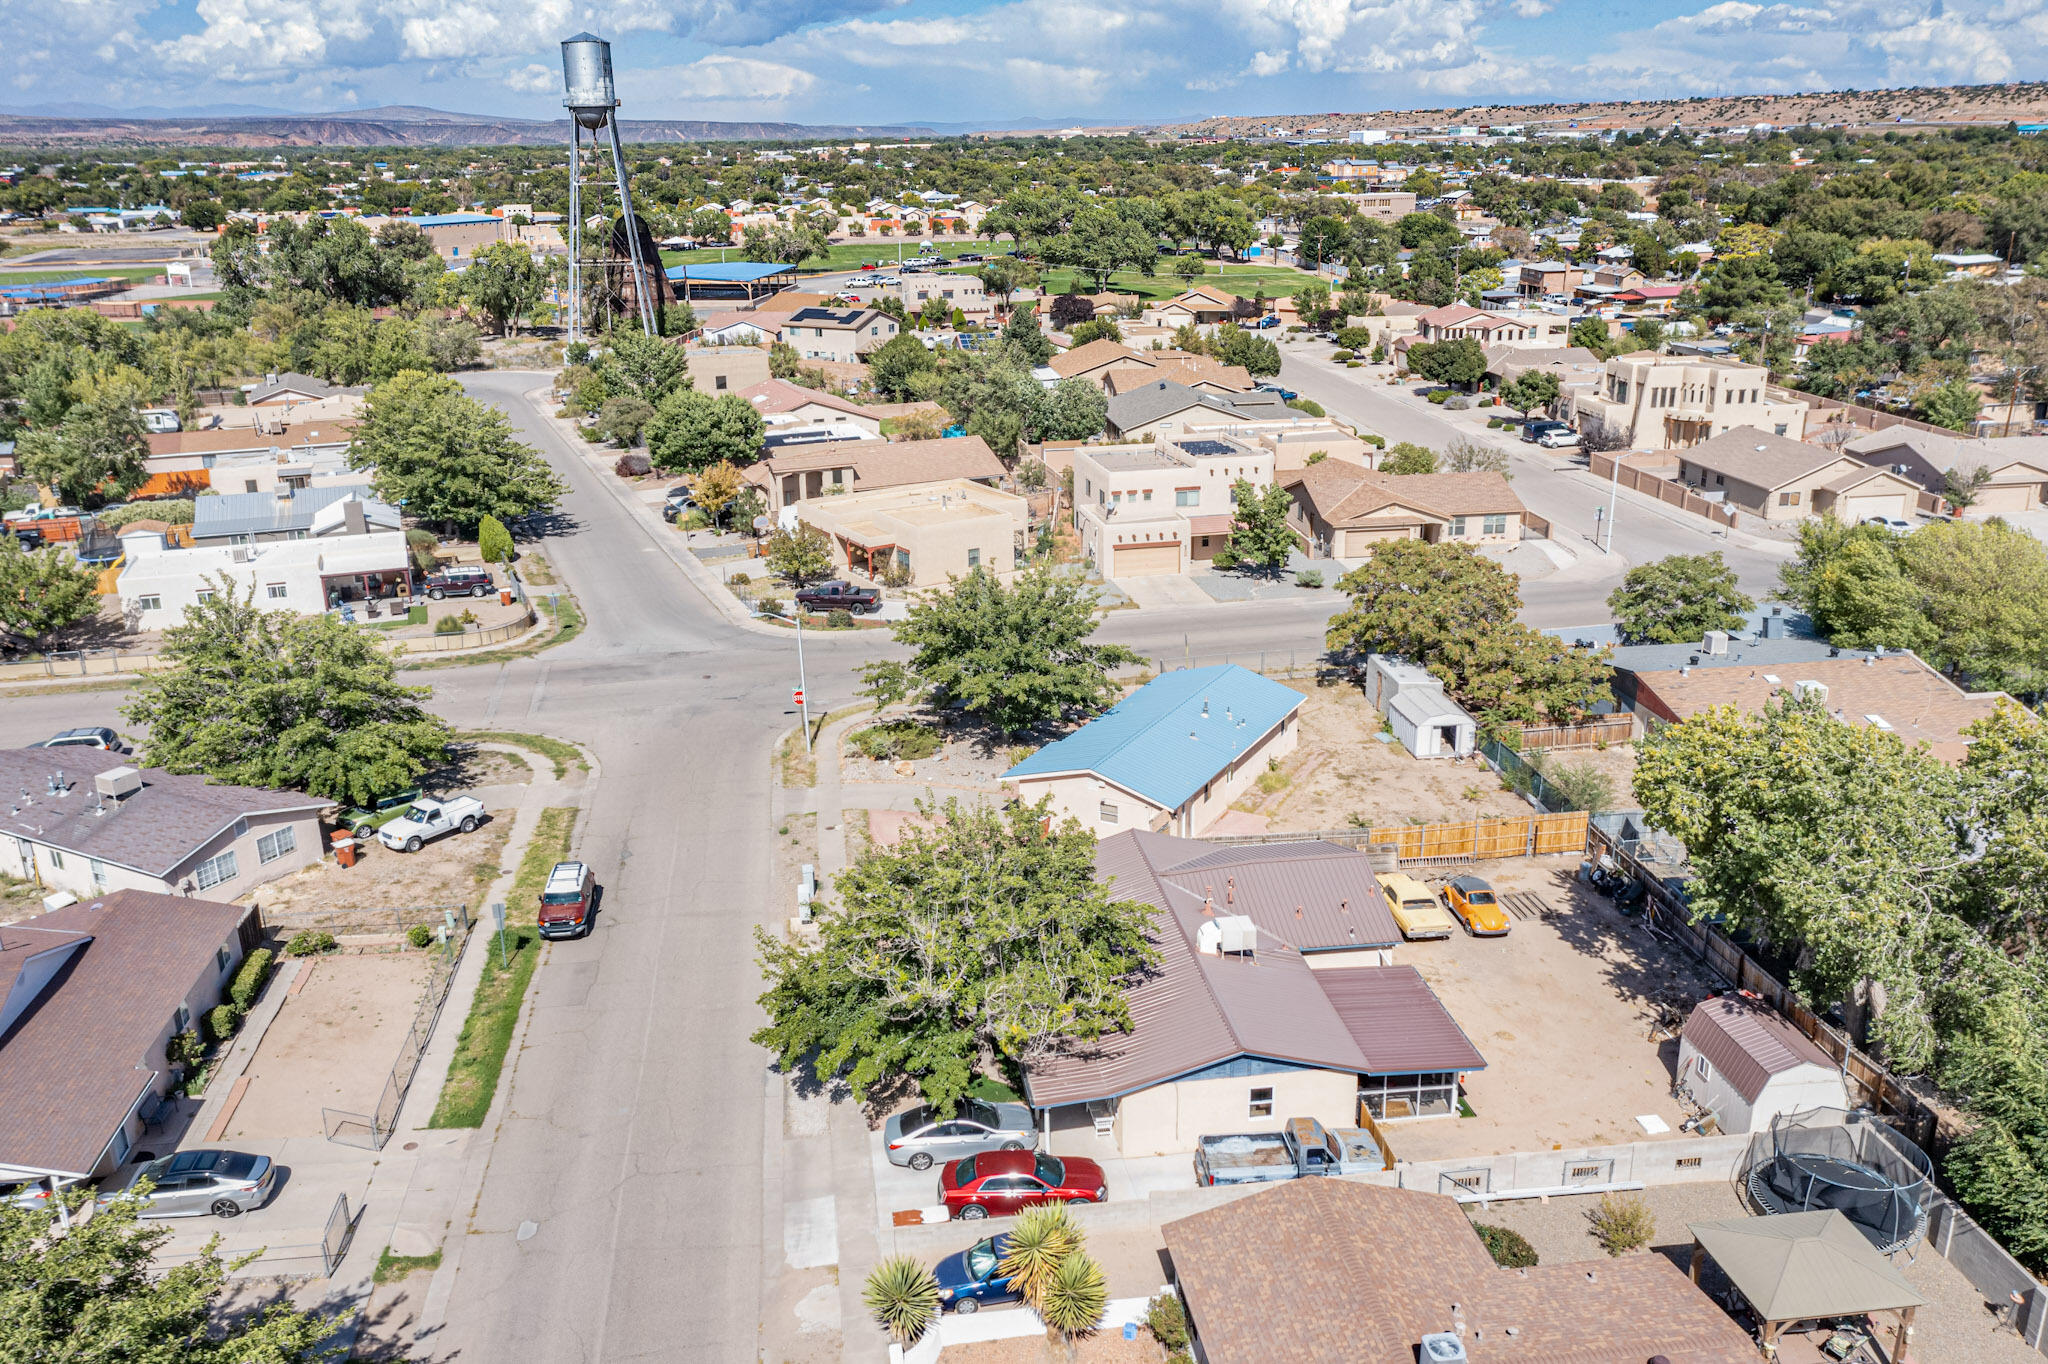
x=1472, y=900
x=1415, y=908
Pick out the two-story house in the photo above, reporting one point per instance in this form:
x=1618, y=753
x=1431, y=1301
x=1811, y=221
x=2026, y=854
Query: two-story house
x=965, y=293
x=843, y=334
x=1649, y=401
x=1147, y=510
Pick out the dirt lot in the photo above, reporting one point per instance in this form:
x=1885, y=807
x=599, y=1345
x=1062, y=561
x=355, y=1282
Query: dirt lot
x=1617, y=762
x=1560, y=1009
x=332, y=1044
x=448, y=871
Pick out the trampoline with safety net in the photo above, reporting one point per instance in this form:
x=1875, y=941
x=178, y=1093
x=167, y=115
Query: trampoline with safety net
x=1826, y=1158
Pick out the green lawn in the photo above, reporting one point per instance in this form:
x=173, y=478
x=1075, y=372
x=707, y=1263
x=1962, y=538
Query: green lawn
x=845, y=255
x=131, y=272
x=1242, y=280
x=487, y=1033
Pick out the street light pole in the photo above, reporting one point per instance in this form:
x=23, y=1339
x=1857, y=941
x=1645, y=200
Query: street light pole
x=803, y=692
x=1613, y=500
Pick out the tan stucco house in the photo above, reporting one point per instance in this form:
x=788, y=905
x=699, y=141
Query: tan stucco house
x=927, y=530
x=1777, y=479
x=1341, y=510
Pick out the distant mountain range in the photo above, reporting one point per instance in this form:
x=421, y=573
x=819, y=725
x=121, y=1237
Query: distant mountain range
x=390, y=126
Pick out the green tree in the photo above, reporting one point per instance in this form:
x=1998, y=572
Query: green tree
x=445, y=457
x=1448, y=609
x=1015, y=655
x=44, y=590
x=1074, y=1299
x=1323, y=238
x=985, y=933
x=1953, y=404
x=494, y=542
x=692, y=431
x=893, y=365
x=1099, y=241
x=1022, y=336
x=1259, y=533
x=95, y=1291
x=1406, y=457
x=1189, y=269
x=1677, y=599
x=1075, y=410
x=1984, y=591
x=1236, y=346
x=644, y=367
x=506, y=284
x=1460, y=361
x=1096, y=329
x=273, y=699
x=96, y=455
x=800, y=552
x=623, y=419
x=1531, y=389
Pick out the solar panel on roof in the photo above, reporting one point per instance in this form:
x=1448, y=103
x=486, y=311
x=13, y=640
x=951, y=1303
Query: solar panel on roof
x=1205, y=447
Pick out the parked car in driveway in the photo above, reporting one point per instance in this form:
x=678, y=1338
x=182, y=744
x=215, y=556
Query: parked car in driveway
x=917, y=1136
x=365, y=820
x=998, y=1183
x=1473, y=901
x=1534, y=432
x=428, y=818
x=840, y=596
x=90, y=736
x=1415, y=908
x=969, y=1280
x=459, y=582
x=1897, y=525
x=199, y=1183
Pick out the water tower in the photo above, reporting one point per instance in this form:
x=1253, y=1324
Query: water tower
x=618, y=267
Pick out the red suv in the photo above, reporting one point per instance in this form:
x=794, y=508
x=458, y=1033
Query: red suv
x=998, y=1183
x=565, y=901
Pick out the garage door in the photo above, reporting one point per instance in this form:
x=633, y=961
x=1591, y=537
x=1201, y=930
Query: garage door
x=1854, y=509
x=2001, y=501
x=1357, y=542
x=1146, y=561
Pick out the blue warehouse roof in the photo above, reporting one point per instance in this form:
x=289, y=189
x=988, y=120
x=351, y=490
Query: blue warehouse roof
x=729, y=272
x=450, y=219
x=1172, y=736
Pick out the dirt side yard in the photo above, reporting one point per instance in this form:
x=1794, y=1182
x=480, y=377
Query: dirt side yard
x=451, y=870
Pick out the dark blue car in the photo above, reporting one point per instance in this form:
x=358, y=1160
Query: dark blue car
x=969, y=1279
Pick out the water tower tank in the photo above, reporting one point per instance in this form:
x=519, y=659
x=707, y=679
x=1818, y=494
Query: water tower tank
x=587, y=77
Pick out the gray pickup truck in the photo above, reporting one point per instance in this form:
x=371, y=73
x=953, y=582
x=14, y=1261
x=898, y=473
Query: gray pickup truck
x=1303, y=1147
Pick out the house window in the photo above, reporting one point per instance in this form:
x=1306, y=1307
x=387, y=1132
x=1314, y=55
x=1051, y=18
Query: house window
x=1788, y=499
x=1496, y=525
x=1148, y=494
x=56, y=859
x=248, y=485
x=275, y=591
x=839, y=475
x=181, y=1020
x=121, y=1143
x=974, y=558
x=1108, y=813
x=99, y=876
x=149, y=603
x=718, y=382
x=1700, y=1064
x=216, y=870
x=1457, y=526
x=203, y=595
x=1187, y=497
x=272, y=846
x=1781, y=428
x=1262, y=1101
x=221, y=958
x=241, y=826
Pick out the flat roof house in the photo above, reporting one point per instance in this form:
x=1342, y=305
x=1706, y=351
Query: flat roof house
x=1170, y=756
x=1271, y=1000
x=1335, y=1271
x=1745, y=1063
x=290, y=512
x=1652, y=401
x=927, y=530
x=306, y=576
x=88, y=822
x=1780, y=479
x=1341, y=510
x=89, y=996
x=1148, y=510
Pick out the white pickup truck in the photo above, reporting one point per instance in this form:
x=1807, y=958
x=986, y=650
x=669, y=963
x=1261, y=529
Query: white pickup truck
x=430, y=818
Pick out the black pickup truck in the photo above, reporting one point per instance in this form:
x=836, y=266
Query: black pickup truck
x=840, y=596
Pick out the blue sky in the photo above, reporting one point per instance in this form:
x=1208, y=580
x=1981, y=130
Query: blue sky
x=876, y=61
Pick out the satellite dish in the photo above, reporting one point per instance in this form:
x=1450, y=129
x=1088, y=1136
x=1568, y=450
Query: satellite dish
x=763, y=522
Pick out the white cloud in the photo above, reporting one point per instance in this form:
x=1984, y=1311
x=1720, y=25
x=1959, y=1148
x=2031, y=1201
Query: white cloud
x=533, y=79
x=1267, y=64
x=1530, y=9
x=744, y=78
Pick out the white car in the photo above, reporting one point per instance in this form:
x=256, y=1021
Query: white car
x=428, y=818
x=1897, y=525
x=1558, y=440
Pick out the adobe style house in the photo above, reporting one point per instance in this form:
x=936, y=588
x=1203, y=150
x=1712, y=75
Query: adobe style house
x=89, y=996
x=834, y=468
x=1148, y=510
x=1651, y=401
x=929, y=531
x=1780, y=479
x=87, y=822
x=1341, y=510
x=1275, y=997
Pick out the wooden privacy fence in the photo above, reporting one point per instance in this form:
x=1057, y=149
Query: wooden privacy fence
x=1664, y=490
x=1615, y=729
x=1479, y=840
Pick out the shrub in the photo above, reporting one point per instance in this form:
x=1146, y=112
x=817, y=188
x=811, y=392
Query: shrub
x=1167, y=1320
x=591, y=434
x=1622, y=1223
x=899, y=740
x=839, y=620
x=493, y=541
x=1226, y=558
x=1353, y=364
x=1509, y=1248
x=632, y=466
x=448, y=625
x=740, y=579
x=255, y=969
x=1581, y=786
x=1309, y=577
x=1308, y=405
x=1355, y=338
x=1340, y=356
x=221, y=1022
x=770, y=606
x=1379, y=354
x=419, y=935
x=310, y=942
x=1376, y=442
x=1459, y=404
x=903, y=1297
x=185, y=1050
x=1439, y=396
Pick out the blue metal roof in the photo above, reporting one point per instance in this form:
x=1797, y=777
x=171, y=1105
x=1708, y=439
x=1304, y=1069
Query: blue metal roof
x=729, y=272
x=1169, y=738
x=450, y=219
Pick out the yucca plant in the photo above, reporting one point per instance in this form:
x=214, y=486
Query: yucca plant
x=903, y=1296
x=1074, y=1298
x=1044, y=1236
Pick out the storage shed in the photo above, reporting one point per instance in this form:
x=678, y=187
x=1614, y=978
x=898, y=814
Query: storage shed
x=1745, y=1063
x=1426, y=721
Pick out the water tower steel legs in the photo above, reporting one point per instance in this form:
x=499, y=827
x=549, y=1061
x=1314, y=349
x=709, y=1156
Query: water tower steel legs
x=643, y=280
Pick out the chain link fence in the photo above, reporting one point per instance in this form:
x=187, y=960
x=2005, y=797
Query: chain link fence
x=371, y=1130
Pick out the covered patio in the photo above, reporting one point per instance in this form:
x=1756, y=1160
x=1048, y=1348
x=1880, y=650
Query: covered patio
x=1807, y=1270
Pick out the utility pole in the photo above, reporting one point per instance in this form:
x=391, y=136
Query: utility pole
x=803, y=693
x=1613, y=500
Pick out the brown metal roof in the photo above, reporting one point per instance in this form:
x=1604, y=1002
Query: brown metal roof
x=1313, y=896
x=1397, y=1020
x=1749, y=1042
x=1335, y=1271
x=77, y=1057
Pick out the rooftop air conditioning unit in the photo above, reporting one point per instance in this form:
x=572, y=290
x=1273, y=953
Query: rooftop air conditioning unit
x=117, y=782
x=1816, y=690
x=1239, y=933
x=1716, y=642
x=1443, y=1347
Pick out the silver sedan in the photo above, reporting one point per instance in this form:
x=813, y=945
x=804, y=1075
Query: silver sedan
x=917, y=1137
x=196, y=1183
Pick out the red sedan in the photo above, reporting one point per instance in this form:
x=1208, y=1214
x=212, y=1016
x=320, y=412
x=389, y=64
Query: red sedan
x=998, y=1183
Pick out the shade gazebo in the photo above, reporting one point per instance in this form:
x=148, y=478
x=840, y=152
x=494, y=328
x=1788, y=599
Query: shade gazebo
x=1806, y=1266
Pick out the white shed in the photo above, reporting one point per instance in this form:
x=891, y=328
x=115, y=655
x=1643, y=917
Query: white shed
x=1386, y=676
x=1426, y=721
x=1745, y=1063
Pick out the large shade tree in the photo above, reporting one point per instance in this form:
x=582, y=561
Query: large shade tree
x=445, y=457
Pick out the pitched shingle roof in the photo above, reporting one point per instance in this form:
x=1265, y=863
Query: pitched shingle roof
x=76, y=1057
x=154, y=831
x=1346, y=495
x=1759, y=458
x=290, y=383
x=1101, y=351
x=1330, y=1271
x=1134, y=410
x=780, y=395
x=886, y=463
